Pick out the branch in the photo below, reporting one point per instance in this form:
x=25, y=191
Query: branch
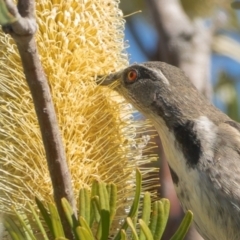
x=235, y=5
x=171, y=23
x=184, y=43
x=22, y=31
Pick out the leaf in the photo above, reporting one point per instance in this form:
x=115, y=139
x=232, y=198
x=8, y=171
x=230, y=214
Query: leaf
x=105, y=223
x=84, y=204
x=153, y=219
x=71, y=218
x=96, y=208
x=83, y=234
x=5, y=16
x=45, y=214
x=123, y=235
x=94, y=190
x=131, y=225
x=39, y=223
x=135, y=204
x=112, y=192
x=28, y=232
x=99, y=230
x=56, y=221
x=163, y=213
x=13, y=229
x=184, y=226
x=69, y=213
x=145, y=230
x=103, y=208
x=85, y=225
x=103, y=196
x=146, y=212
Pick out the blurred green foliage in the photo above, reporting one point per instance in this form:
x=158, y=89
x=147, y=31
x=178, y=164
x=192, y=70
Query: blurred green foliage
x=226, y=90
x=96, y=212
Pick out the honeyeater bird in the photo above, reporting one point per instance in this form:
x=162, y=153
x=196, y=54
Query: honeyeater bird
x=202, y=144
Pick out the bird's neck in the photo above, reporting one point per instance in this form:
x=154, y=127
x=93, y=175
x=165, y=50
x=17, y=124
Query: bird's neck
x=185, y=134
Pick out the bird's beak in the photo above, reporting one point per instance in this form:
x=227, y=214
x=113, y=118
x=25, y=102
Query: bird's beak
x=109, y=79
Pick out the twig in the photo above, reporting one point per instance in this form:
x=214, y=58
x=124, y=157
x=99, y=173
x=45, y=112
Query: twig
x=22, y=31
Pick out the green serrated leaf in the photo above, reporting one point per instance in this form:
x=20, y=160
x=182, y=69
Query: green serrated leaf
x=39, y=223
x=83, y=233
x=131, y=225
x=163, y=213
x=99, y=230
x=45, y=214
x=145, y=230
x=105, y=219
x=134, y=221
x=103, y=196
x=56, y=221
x=71, y=218
x=94, y=190
x=27, y=231
x=135, y=204
x=166, y=206
x=85, y=225
x=84, y=204
x=123, y=235
x=153, y=218
x=5, y=16
x=146, y=212
x=96, y=208
x=112, y=192
x=13, y=229
x=94, y=213
x=184, y=227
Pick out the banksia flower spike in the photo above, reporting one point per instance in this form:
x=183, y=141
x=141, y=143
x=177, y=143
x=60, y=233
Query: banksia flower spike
x=77, y=41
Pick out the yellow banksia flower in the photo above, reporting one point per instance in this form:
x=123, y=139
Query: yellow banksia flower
x=77, y=41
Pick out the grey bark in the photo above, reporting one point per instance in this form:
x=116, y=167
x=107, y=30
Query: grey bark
x=186, y=44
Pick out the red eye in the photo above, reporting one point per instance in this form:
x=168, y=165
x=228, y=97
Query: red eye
x=132, y=76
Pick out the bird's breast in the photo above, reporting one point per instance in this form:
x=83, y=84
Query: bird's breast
x=185, y=155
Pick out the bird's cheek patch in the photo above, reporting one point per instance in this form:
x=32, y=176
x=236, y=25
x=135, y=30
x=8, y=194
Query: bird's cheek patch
x=160, y=75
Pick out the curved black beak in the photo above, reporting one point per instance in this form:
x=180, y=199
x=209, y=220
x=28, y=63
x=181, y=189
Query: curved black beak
x=109, y=79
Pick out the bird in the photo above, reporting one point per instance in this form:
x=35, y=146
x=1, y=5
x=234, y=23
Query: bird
x=201, y=143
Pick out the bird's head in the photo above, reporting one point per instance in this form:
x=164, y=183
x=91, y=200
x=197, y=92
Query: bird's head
x=157, y=88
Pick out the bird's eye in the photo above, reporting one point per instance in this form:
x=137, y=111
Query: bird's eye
x=132, y=76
